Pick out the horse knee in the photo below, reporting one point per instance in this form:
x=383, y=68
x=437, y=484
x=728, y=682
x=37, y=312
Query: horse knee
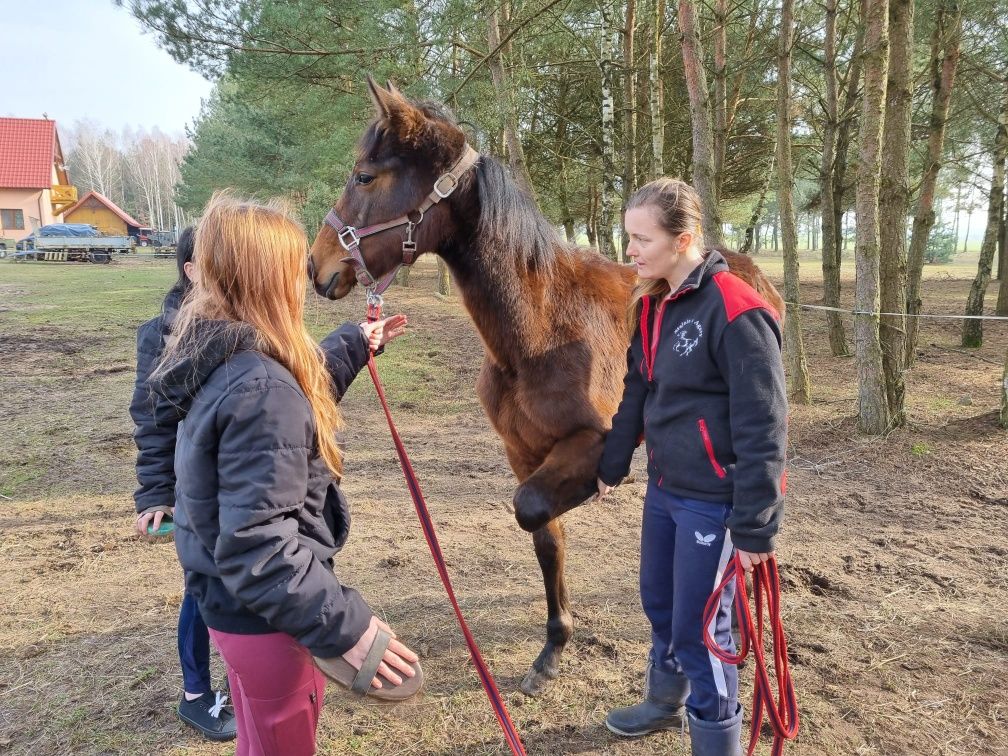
x=533, y=508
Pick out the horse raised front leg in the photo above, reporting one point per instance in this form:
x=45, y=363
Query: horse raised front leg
x=549, y=548
x=565, y=479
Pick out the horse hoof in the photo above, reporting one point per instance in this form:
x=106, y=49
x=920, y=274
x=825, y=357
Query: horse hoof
x=535, y=683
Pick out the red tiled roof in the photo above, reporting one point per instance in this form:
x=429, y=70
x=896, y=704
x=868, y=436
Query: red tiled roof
x=27, y=151
x=129, y=220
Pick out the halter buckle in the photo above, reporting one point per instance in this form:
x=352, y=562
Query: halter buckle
x=445, y=193
x=351, y=232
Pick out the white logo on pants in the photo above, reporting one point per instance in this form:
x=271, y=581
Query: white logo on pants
x=704, y=540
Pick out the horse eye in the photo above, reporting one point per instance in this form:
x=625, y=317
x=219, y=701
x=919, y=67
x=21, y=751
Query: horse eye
x=364, y=178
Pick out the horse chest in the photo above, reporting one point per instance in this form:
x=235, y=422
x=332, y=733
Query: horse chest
x=529, y=413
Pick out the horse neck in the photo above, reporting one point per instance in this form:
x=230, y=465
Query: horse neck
x=504, y=301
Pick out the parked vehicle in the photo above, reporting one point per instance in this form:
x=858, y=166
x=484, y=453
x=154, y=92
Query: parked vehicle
x=73, y=242
x=145, y=237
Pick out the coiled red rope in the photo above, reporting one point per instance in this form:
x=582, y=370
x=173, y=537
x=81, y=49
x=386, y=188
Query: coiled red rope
x=782, y=708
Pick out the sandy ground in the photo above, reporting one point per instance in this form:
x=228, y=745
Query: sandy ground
x=894, y=556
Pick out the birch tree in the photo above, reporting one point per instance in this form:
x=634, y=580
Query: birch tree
x=656, y=90
x=608, y=194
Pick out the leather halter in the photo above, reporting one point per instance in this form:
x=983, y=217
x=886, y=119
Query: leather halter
x=350, y=237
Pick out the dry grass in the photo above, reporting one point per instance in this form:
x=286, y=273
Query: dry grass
x=894, y=556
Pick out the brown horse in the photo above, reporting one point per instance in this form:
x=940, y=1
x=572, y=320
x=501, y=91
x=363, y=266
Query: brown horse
x=551, y=315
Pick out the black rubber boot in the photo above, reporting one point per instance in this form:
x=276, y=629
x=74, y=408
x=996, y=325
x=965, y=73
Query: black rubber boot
x=716, y=738
x=663, y=707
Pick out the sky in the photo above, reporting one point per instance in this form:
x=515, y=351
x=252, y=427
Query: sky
x=88, y=59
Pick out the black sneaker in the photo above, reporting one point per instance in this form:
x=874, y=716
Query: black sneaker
x=210, y=715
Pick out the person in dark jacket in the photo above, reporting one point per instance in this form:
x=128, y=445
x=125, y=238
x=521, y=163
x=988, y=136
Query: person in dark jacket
x=200, y=706
x=705, y=390
x=259, y=513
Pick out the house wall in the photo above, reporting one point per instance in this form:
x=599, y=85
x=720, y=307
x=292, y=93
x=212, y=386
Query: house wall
x=95, y=213
x=33, y=203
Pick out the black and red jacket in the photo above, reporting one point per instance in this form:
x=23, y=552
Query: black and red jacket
x=708, y=395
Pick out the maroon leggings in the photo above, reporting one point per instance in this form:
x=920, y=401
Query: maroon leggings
x=277, y=692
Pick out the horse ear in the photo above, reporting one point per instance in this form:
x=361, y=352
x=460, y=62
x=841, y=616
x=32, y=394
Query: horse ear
x=407, y=122
x=392, y=88
x=383, y=99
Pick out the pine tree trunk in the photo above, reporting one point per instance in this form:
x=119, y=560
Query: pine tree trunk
x=1002, y=301
x=1004, y=395
x=894, y=203
x=720, y=92
x=958, y=210
x=608, y=196
x=444, y=278
x=757, y=213
x=700, y=117
x=836, y=138
x=799, y=385
x=999, y=271
x=629, y=116
x=873, y=407
x=944, y=59
x=656, y=99
x=973, y=329
x=506, y=99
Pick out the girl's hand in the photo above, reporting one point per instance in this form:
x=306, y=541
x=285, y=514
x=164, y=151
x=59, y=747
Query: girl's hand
x=749, y=559
x=154, y=517
x=603, y=489
x=381, y=332
x=395, y=665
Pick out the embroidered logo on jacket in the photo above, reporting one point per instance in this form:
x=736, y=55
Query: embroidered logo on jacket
x=688, y=335
x=704, y=540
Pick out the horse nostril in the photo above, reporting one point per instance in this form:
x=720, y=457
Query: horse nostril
x=311, y=269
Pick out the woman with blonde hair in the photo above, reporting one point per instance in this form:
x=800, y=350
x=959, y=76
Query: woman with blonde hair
x=705, y=390
x=259, y=514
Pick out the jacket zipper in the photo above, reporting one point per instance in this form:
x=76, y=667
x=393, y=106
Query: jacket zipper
x=702, y=424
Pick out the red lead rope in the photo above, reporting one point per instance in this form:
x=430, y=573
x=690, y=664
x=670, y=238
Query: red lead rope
x=496, y=701
x=783, y=712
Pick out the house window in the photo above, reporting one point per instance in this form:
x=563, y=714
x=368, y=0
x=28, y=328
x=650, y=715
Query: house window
x=12, y=219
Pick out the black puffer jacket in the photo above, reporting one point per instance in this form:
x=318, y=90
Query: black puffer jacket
x=258, y=516
x=155, y=465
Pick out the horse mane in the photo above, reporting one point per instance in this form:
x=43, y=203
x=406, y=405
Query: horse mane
x=510, y=224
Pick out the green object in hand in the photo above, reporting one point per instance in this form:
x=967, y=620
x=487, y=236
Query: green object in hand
x=166, y=528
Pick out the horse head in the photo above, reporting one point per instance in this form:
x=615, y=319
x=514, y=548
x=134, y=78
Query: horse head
x=411, y=156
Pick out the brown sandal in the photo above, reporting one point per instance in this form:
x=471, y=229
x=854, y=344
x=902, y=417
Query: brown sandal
x=340, y=671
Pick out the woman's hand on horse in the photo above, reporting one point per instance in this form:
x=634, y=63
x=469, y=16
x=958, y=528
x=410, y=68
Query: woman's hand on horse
x=381, y=332
x=147, y=519
x=749, y=559
x=397, y=656
x=603, y=488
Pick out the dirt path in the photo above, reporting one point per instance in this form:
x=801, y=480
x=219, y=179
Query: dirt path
x=895, y=551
